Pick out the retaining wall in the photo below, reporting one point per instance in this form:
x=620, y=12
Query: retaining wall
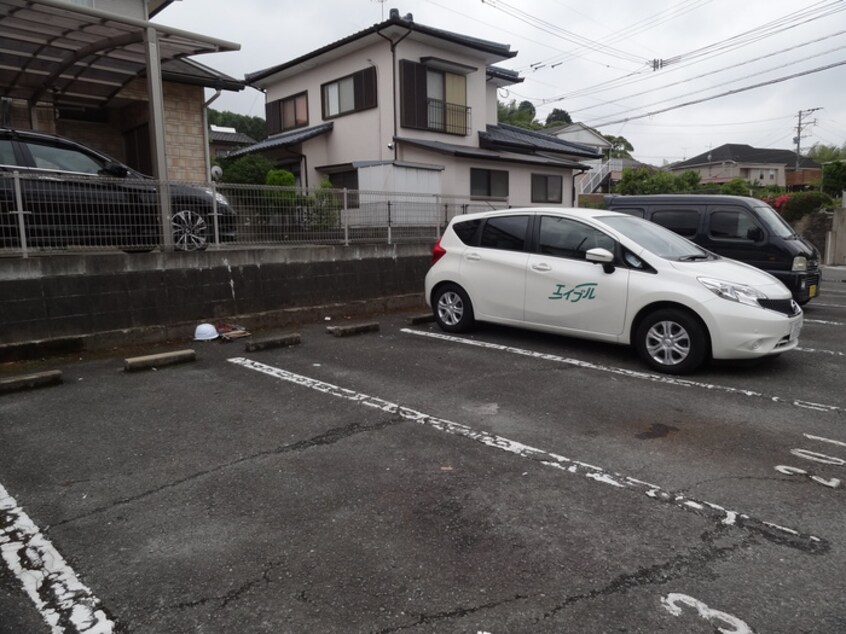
x=141, y=297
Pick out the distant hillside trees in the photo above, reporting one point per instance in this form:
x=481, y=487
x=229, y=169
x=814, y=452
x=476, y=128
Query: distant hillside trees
x=251, y=126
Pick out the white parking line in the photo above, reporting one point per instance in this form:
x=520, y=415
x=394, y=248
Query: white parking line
x=769, y=530
x=822, y=321
x=634, y=374
x=835, y=353
x=50, y=582
x=829, y=305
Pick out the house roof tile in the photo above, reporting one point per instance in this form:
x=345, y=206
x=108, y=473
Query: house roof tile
x=294, y=137
x=741, y=153
x=467, y=151
x=406, y=24
x=504, y=136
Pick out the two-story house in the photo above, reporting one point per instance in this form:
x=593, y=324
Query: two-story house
x=405, y=107
x=100, y=72
x=761, y=166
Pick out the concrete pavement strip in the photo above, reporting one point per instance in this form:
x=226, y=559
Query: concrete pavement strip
x=148, y=362
x=267, y=343
x=353, y=329
x=30, y=381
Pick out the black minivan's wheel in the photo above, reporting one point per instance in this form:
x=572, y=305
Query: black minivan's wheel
x=453, y=310
x=671, y=341
x=190, y=231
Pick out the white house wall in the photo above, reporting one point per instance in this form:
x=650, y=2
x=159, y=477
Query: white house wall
x=387, y=177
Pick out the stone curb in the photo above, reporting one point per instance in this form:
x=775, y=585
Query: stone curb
x=150, y=361
x=423, y=318
x=30, y=381
x=273, y=342
x=353, y=329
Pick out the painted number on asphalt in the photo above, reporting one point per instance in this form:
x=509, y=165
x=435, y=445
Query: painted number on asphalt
x=820, y=458
x=675, y=603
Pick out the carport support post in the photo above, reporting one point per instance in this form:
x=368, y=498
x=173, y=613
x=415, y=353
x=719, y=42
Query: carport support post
x=157, y=131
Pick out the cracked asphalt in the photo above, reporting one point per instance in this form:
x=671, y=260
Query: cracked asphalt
x=397, y=481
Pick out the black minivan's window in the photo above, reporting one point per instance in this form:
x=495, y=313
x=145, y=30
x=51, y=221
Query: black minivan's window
x=7, y=154
x=505, y=232
x=684, y=222
x=466, y=231
x=731, y=224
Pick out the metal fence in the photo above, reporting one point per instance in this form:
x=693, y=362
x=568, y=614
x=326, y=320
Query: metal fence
x=44, y=214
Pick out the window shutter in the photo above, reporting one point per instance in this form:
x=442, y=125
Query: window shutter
x=273, y=116
x=413, y=110
x=365, y=88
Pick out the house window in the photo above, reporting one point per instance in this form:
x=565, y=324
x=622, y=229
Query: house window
x=287, y=114
x=488, y=183
x=349, y=94
x=433, y=99
x=546, y=188
x=295, y=111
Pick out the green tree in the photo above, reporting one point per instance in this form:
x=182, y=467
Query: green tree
x=824, y=153
x=643, y=180
x=522, y=115
x=834, y=178
x=620, y=146
x=687, y=182
x=557, y=117
x=256, y=127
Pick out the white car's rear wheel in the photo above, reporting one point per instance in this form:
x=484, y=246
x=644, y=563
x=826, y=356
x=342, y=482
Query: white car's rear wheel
x=453, y=310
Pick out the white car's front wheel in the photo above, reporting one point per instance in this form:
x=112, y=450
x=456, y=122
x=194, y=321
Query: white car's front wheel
x=672, y=341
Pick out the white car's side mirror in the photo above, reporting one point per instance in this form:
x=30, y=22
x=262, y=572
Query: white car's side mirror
x=601, y=256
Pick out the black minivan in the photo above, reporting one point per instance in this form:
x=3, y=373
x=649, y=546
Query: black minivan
x=736, y=227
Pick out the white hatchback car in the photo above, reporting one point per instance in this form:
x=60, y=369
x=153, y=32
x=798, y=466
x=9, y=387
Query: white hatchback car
x=610, y=277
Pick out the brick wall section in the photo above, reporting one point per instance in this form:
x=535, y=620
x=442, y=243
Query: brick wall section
x=186, y=160
x=50, y=298
x=184, y=134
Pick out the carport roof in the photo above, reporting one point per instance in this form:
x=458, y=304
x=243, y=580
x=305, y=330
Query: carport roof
x=74, y=55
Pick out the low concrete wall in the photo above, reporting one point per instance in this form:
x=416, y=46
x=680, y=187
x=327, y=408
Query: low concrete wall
x=136, y=297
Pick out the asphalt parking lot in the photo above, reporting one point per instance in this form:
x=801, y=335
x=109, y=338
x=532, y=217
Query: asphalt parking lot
x=409, y=481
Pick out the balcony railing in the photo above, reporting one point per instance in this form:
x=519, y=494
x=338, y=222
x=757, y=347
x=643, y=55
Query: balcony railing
x=448, y=117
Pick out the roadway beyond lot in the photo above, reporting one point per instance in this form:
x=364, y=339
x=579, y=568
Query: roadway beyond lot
x=407, y=481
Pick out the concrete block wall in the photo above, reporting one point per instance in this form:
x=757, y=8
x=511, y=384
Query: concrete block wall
x=155, y=295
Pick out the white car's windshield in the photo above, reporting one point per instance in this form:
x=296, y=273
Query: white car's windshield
x=656, y=239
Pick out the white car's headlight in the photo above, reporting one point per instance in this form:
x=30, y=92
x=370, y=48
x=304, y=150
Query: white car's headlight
x=733, y=291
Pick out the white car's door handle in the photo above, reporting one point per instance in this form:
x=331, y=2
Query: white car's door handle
x=473, y=256
x=541, y=267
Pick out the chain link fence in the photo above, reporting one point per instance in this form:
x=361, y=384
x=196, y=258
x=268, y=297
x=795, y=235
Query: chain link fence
x=45, y=214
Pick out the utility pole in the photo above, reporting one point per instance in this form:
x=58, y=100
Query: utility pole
x=799, y=127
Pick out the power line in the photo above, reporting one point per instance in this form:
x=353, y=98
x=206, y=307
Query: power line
x=720, y=95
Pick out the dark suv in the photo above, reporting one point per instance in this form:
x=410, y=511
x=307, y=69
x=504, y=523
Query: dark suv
x=72, y=195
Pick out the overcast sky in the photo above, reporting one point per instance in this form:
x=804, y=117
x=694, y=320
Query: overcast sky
x=594, y=60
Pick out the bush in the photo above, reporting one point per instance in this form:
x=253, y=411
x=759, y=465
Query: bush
x=801, y=204
x=735, y=187
x=322, y=208
x=251, y=169
x=281, y=204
